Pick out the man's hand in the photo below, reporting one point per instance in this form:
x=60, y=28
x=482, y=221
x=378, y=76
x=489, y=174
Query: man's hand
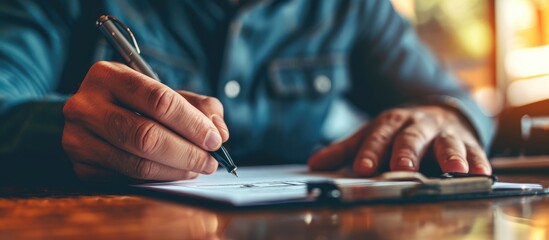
x=407, y=134
x=121, y=122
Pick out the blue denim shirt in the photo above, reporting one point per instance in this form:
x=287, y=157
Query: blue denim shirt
x=292, y=75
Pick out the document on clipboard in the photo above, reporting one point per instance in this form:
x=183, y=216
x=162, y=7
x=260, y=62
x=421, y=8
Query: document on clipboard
x=280, y=184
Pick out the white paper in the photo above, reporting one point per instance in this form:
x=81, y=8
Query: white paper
x=516, y=186
x=253, y=186
x=273, y=184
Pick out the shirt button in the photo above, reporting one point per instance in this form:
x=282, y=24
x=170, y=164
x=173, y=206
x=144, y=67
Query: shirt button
x=322, y=84
x=232, y=89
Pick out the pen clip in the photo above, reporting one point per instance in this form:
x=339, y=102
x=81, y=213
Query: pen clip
x=105, y=18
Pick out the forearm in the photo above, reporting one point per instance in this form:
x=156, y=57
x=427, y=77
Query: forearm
x=30, y=146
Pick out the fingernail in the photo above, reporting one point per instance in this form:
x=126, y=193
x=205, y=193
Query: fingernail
x=213, y=140
x=406, y=162
x=484, y=169
x=456, y=164
x=210, y=167
x=367, y=163
x=220, y=123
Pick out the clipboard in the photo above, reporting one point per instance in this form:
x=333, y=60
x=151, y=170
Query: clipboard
x=450, y=186
x=266, y=186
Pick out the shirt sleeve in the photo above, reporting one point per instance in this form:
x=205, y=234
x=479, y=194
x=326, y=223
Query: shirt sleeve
x=33, y=40
x=393, y=68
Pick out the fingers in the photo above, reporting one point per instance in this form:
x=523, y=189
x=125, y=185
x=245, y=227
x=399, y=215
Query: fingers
x=455, y=155
x=96, y=157
x=478, y=161
x=152, y=98
x=337, y=154
x=150, y=140
x=376, y=144
x=412, y=142
x=169, y=137
x=410, y=133
x=450, y=153
x=144, y=138
x=211, y=107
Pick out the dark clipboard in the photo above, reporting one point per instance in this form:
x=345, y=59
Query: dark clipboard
x=450, y=186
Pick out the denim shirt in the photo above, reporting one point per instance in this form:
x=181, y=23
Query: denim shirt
x=292, y=75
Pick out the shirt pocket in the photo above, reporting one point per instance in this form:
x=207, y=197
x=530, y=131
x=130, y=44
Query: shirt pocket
x=309, y=77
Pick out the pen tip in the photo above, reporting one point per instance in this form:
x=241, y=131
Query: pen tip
x=233, y=172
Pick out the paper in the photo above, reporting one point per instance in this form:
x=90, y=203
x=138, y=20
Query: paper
x=254, y=186
x=516, y=186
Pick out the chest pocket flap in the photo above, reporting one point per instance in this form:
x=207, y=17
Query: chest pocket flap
x=311, y=77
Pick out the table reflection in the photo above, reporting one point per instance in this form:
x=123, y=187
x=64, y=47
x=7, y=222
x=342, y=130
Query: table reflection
x=144, y=218
x=416, y=221
x=528, y=221
x=449, y=220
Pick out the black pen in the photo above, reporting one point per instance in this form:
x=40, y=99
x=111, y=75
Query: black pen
x=130, y=53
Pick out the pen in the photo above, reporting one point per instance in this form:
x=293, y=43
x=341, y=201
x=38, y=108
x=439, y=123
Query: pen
x=130, y=53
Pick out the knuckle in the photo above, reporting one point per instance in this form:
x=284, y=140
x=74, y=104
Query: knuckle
x=445, y=140
x=418, y=117
x=198, y=125
x=440, y=144
x=69, y=141
x=100, y=66
x=396, y=112
x=147, y=137
x=72, y=145
x=394, y=116
x=406, y=150
x=100, y=70
x=211, y=103
x=100, y=76
x=476, y=150
x=162, y=102
x=145, y=169
x=196, y=159
x=69, y=109
x=379, y=137
x=117, y=124
x=72, y=110
x=447, y=135
x=414, y=134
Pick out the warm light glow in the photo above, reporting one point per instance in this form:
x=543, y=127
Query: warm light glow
x=528, y=91
x=475, y=38
x=405, y=8
x=510, y=226
x=528, y=62
x=521, y=23
x=525, y=38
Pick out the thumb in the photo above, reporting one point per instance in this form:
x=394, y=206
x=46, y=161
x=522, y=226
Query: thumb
x=338, y=154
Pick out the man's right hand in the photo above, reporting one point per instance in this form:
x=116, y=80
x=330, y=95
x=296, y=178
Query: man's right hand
x=123, y=123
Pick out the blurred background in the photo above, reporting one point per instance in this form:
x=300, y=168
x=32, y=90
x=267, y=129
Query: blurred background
x=499, y=48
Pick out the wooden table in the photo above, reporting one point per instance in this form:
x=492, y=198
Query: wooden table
x=62, y=214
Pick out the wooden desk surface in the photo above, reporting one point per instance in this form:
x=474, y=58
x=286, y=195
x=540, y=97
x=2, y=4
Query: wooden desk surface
x=66, y=216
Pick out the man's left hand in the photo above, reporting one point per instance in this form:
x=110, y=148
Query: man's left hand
x=408, y=133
